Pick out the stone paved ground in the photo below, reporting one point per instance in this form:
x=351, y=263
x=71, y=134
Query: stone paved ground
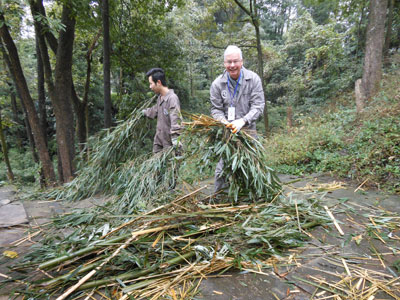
x=366, y=250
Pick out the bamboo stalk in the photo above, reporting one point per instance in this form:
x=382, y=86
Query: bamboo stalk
x=136, y=274
x=334, y=220
x=346, y=267
x=58, y=260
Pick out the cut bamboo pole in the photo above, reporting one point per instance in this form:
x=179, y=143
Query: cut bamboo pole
x=334, y=220
x=359, y=187
x=346, y=267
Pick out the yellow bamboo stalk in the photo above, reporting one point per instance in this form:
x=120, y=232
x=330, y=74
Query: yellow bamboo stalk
x=334, y=220
x=346, y=267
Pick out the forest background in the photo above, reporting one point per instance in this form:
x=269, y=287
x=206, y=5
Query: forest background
x=71, y=69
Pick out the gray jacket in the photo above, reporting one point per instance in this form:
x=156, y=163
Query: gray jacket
x=168, y=114
x=249, y=102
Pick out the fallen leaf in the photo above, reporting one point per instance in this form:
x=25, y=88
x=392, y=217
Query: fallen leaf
x=10, y=254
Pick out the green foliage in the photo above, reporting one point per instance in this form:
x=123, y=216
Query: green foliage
x=22, y=164
x=337, y=142
x=107, y=153
x=243, y=155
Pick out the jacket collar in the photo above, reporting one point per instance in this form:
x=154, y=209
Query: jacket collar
x=162, y=98
x=245, y=74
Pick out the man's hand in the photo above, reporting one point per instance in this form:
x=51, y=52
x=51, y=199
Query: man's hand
x=143, y=113
x=236, y=125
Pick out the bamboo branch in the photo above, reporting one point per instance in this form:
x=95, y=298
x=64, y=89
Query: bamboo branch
x=334, y=220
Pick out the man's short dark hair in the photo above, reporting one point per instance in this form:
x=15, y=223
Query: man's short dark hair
x=157, y=74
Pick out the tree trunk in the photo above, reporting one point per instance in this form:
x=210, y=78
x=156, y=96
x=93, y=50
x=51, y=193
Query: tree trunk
x=253, y=14
x=82, y=111
x=20, y=82
x=63, y=94
x=20, y=136
x=388, y=29
x=289, y=117
x=261, y=74
x=359, y=32
x=372, y=70
x=3, y=142
x=106, y=64
x=41, y=92
x=60, y=91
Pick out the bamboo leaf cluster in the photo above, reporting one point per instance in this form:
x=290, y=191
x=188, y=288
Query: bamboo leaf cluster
x=243, y=155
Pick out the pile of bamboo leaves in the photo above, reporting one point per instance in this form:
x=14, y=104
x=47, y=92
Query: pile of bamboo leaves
x=116, y=168
x=107, y=152
x=164, y=251
x=149, y=240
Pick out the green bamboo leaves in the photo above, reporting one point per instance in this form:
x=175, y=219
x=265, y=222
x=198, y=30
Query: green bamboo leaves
x=243, y=155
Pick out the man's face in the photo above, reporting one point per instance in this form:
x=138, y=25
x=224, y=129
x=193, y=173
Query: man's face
x=233, y=65
x=155, y=87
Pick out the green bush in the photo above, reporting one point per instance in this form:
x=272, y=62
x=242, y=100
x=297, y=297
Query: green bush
x=361, y=148
x=24, y=169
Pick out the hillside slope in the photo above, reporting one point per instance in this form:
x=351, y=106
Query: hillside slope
x=364, y=148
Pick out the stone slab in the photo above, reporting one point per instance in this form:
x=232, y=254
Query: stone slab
x=238, y=286
x=9, y=235
x=12, y=214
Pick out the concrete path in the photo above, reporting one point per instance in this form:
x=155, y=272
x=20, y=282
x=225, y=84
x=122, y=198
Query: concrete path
x=369, y=249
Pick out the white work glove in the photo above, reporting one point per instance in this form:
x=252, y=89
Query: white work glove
x=222, y=120
x=175, y=142
x=236, y=125
x=143, y=113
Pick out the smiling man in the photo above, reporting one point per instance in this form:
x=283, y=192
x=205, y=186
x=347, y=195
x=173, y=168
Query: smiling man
x=237, y=100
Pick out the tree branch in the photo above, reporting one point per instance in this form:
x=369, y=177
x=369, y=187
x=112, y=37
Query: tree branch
x=243, y=8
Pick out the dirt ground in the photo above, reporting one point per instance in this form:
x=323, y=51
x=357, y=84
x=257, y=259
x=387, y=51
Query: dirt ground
x=359, y=256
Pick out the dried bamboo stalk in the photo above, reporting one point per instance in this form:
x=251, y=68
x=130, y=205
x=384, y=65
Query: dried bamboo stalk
x=334, y=220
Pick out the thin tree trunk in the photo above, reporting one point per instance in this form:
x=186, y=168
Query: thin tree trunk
x=289, y=117
x=41, y=92
x=106, y=64
x=372, y=70
x=25, y=124
x=359, y=29
x=20, y=82
x=252, y=13
x=3, y=142
x=388, y=29
x=17, y=120
x=82, y=112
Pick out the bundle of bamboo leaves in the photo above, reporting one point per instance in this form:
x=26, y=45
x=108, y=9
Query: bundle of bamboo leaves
x=243, y=155
x=107, y=151
x=156, y=253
